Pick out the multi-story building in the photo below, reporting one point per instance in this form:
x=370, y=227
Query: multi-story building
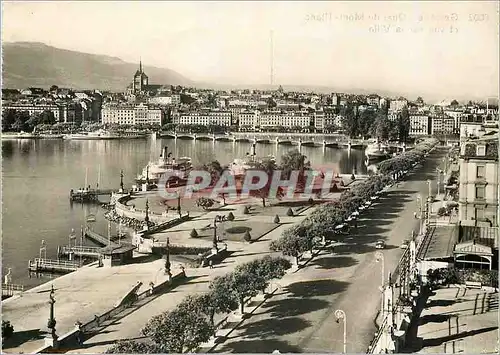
x=373, y=100
x=249, y=119
x=335, y=100
x=442, y=125
x=397, y=105
x=131, y=114
x=419, y=125
x=478, y=182
x=204, y=117
x=284, y=119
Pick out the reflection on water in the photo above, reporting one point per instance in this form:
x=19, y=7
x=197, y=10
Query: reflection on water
x=38, y=175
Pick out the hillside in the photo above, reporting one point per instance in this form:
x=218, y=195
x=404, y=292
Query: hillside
x=28, y=64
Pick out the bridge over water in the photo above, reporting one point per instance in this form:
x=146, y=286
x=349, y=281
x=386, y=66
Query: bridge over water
x=331, y=140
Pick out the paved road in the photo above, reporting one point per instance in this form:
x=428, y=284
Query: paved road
x=301, y=318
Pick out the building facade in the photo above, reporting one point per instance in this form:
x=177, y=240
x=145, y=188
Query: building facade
x=478, y=183
x=443, y=125
x=204, y=117
x=419, y=125
x=131, y=114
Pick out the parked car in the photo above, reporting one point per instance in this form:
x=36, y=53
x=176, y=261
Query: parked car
x=380, y=244
x=405, y=244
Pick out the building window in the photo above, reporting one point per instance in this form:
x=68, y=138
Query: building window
x=480, y=171
x=480, y=192
x=481, y=150
x=479, y=214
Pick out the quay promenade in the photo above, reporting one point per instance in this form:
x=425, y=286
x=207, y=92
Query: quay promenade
x=86, y=292
x=301, y=316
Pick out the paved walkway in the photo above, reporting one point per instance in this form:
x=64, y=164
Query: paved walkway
x=199, y=278
x=79, y=296
x=458, y=320
x=301, y=318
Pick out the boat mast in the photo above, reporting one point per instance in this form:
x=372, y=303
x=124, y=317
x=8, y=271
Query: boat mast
x=86, y=177
x=98, y=177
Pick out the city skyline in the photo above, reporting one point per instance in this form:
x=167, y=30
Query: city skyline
x=423, y=48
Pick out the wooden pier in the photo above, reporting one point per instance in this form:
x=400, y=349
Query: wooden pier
x=39, y=265
x=89, y=195
x=99, y=239
x=9, y=290
x=91, y=252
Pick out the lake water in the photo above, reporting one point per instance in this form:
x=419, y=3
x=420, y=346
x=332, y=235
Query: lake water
x=38, y=175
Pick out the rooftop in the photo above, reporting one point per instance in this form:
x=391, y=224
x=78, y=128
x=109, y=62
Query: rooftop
x=440, y=244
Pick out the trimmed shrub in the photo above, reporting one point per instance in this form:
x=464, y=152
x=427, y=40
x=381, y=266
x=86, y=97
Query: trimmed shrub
x=289, y=213
x=246, y=210
x=310, y=201
x=230, y=217
x=441, y=211
x=7, y=329
x=353, y=177
x=247, y=236
x=276, y=219
x=194, y=233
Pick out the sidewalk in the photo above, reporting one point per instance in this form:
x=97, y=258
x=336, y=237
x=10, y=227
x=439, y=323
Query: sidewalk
x=198, y=280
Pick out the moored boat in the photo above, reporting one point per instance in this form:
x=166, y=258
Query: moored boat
x=154, y=171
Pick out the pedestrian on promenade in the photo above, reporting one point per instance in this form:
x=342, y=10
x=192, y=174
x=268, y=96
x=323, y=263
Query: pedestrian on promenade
x=79, y=332
x=211, y=264
x=96, y=319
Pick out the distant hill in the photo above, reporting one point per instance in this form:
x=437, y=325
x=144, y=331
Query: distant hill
x=28, y=64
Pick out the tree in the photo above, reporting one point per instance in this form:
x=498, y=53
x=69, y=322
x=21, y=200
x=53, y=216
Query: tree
x=134, y=347
x=246, y=283
x=8, y=119
x=215, y=170
x=454, y=103
x=269, y=167
x=205, y=202
x=381, y=127
x=350, y=121
x=184, y=328
x=20, y=123
x=420, y=101
x=47, y=117
x=404, y=124
x=221, y=298
x=295, y=161
x=366, y=122
x=270, y=267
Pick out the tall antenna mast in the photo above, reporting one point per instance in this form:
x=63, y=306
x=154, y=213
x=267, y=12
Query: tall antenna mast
x=271, y=58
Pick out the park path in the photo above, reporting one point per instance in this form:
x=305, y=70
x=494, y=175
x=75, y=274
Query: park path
x=130, y=326
x=301, y=318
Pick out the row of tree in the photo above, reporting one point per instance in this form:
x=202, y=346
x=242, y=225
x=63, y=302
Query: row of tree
x=17, y=121
x=320, y=225
x=192, y=322
x=375, y=123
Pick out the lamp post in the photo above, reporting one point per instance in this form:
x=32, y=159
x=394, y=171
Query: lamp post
x=146, y=218
x=43, y=250
x=379, y=257
x=340, y=314
x=167, y=259
x=71, y=237
x=217, y=219
x=429, y=203
x=51, y=324
x=121, y=180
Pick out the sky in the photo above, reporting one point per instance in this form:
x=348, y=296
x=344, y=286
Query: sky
x=439, y=48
